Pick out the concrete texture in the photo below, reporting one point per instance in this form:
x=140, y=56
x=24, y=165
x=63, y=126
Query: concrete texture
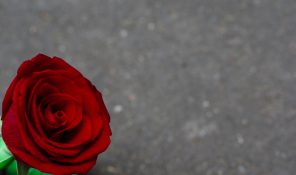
x=194, y=87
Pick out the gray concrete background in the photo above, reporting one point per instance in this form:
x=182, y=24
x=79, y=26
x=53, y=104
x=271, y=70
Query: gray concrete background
x=194, y=87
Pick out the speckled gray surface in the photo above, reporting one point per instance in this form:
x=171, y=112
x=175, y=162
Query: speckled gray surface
x=194, y=87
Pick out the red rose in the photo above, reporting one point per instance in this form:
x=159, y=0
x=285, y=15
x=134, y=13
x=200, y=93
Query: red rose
x=53, y=118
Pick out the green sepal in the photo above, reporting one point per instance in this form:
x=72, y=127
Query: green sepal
x=11, y=169
x=5, y=156
x=34, y=171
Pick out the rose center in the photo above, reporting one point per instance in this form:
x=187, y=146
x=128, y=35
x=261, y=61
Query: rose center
x=55, y=115
x=59, y=116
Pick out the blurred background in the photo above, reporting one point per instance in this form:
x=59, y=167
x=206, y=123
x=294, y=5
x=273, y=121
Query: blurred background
x=194, y=87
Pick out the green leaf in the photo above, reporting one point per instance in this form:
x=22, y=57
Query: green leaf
x=5, y=155
x=22, y=168
x=11, y=168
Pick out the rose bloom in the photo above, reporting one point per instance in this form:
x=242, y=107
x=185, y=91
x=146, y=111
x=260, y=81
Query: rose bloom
x=53, y=118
